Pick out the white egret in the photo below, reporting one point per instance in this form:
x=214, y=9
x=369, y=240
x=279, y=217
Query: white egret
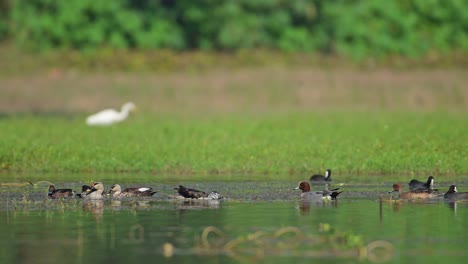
x=110, y=116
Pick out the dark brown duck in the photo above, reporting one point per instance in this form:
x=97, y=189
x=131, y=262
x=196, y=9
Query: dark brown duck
x=57, y=193
x=397, y=193
x=196, y=194
x=321, y=178
x=453, y=194
x=419, y=185
x=85, y=190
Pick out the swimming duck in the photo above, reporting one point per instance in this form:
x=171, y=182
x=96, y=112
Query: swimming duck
x=97, y=191
x=110, y=116
x=321, y=178
x=196, y=194
x=85, y=190
x=415, y=184
x=397, y=193
x=308, y=195
x=56, y=193
x=132, y=191
x=454, y=195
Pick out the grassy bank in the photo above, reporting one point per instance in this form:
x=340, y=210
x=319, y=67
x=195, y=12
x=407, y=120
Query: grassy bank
x=18, y=62
x=351, y=143
x=271, y=121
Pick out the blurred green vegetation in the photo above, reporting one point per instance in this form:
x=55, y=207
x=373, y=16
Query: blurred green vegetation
x=354, y=28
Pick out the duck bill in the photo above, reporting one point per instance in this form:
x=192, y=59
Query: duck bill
x=297, y=188
x=394, y=195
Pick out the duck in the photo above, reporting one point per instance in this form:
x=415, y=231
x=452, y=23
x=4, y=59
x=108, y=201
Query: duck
x=57, y=193
x=129, y=192
x=110, y=116
x=453, y=195
x=196, y=194
x=397, y=193
x=324, y=195
x=85, y=190
x=97, y=191
x=415, y=184
x=321, y=178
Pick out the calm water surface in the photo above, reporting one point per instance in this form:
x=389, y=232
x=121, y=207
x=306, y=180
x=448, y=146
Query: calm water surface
x=257, y=222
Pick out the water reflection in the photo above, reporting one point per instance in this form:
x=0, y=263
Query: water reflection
x=397, y=205
x=96, y=207
x=136, y=235
x=106, y=230
x=118, y=204
x=197, y=204
x=453, y=205
x=304, y=206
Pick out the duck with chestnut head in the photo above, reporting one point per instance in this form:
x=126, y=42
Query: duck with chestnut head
x=417, y=194
x=308, y=195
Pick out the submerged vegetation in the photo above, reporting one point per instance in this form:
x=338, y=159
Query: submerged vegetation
x=280, y=145
x=286, y=241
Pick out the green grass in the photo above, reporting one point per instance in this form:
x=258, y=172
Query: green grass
x=233, y=145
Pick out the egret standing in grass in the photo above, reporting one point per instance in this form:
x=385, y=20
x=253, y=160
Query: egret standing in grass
x=110, y=116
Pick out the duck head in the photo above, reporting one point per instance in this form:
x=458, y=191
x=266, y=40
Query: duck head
x=396, y=191
x=304, y=186
x=51, y=189
x=97, y=186
x=396, y=188
x=430, y=181
x=115, y=188
x=86, y=189
x=452, y=189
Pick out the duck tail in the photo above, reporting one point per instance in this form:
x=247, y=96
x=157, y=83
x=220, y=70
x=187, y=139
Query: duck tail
x=335, y=194
x=214, y=195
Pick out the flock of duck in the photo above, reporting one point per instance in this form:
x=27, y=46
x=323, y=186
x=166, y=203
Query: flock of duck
x=96, y=191
x=425, y=190
x=418, y=190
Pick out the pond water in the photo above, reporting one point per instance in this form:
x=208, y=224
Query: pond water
x=256, y=221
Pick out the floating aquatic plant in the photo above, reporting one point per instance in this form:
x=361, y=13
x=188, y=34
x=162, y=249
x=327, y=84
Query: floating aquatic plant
x=285, y=241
